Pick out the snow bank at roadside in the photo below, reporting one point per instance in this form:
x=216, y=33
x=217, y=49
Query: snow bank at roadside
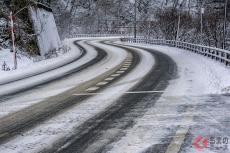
x=187, y=97
x=63, y=124
x=198, y=75
x=7, y=57
x=28, y=68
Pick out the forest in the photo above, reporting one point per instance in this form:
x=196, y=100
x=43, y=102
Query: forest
x=205, y=22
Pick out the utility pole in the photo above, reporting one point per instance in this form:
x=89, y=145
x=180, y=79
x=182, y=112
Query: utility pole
x=13, y=39
x=135, y=20
x=225, y=21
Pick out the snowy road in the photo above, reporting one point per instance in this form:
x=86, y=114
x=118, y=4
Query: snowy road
x=133, y=98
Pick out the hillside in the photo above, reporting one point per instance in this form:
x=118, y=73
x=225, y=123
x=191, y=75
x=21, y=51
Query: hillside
x=25, y=39
x=155, y=18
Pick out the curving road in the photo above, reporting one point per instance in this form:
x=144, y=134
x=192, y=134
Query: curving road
x=27, y=118
x=97, y=133
x=132, y=87
x=101, y=54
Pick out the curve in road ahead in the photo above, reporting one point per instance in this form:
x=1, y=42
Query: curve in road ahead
x=97, y=133
x=101, y=54
x=25, y=119
x=82, y=53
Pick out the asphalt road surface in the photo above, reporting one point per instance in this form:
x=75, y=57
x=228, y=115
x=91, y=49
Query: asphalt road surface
x=95, y=134
x=102, y=132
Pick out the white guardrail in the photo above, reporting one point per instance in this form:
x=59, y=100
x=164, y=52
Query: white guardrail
x=217, y=54
x=101, y=35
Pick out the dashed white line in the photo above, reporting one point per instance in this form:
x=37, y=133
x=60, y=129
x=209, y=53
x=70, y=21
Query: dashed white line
x=115, y=75
x=92, y=88
x=109, y=79
x=102, y=83
x=118, y=72
x=123, y=69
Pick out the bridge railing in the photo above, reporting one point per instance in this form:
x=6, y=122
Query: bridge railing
x=217, y=54
x=100, y=35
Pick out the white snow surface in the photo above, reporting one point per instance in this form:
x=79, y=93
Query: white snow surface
x=7, y=57
x=38, y=94
x=39, y=68
x=198, y=75
x=46, y=30
x=27, y=67
x=198, y=78
x=44, y=135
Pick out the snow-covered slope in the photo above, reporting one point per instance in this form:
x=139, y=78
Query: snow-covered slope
x=45, y=29
x=29, y=68
x=7, y=57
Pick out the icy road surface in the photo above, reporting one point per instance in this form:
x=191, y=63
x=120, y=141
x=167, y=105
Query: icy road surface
x=192, y=106
x=190, y=115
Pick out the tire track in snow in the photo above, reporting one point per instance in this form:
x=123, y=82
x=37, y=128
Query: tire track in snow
x=24, y=119
x=82, y=53
x=98, y=132
x=118, y=68
x=4, y=97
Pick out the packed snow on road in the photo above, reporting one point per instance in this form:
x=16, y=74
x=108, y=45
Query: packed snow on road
x=114, y=76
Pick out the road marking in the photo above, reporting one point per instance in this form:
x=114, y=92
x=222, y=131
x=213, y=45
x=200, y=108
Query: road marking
x=92, y=88
x=120, y=72
x=123, y=69
x=109, y=79
x=128, y=92
x=179, y=138
x=102, y=83
x=115, y=75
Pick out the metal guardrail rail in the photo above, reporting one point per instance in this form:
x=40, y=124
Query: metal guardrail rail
x=217, y=54
x=101, y=35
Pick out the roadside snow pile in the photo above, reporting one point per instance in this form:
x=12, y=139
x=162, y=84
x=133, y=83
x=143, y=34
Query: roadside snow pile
x=191, y=106
x=7, y=62
x=197, y=74
x=27, y=67
x=46, y=134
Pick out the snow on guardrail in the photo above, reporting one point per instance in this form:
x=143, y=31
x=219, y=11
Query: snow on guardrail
x=217, y=54
x=105, y=36
x=99, y=35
